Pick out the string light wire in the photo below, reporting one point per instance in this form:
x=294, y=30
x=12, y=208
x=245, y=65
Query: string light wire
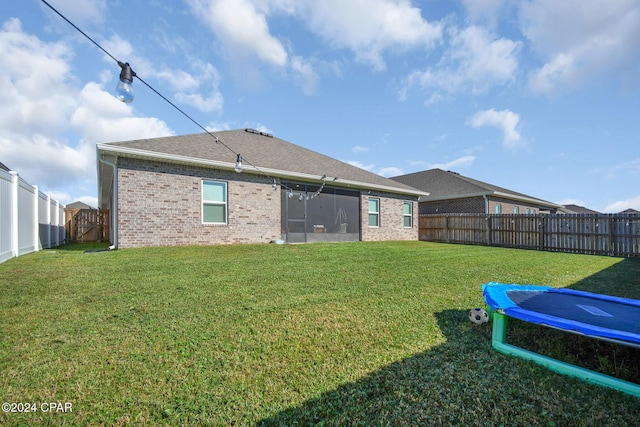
x=216, y=139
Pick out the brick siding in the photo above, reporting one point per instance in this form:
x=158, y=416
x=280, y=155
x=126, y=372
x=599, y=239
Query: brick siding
x=474, y=205
x=160, y=204
x=391, y=221
x=507, y=206
x=467, y=205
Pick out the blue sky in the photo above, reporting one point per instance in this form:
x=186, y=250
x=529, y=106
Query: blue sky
x=541, y=97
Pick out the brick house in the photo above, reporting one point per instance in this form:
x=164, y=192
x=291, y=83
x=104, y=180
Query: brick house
x=451, y=192
x=184, y=190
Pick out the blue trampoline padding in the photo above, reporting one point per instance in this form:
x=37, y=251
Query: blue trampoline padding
x=577, y=311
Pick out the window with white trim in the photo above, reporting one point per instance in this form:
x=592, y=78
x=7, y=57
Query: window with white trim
x=498, y=208
x=214, y=202
x=516, y=210
x=407, y=214
x=374, y=212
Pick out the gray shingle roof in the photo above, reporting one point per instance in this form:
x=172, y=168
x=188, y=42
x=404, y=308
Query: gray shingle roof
x=446, y=185
x=274, y=156
x=79, y=205
x=577, y=209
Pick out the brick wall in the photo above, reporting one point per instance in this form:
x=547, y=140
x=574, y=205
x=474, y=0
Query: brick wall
x=391, y=219
x=466, y=205
x=507, y=206
x=160, y=204
x=474, y=205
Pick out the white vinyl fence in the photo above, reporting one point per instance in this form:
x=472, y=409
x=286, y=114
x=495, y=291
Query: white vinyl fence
x=29, y=219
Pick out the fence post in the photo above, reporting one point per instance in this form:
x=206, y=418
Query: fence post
x=14, y=213
x=541, y=225
x=57, y=224
x=446, y=227
x=36, y=219
x=48, y=222
x=612, y=236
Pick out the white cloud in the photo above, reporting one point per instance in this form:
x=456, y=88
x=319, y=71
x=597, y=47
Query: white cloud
x=371, y=28
x=368, y=28
x=359, y=149
x=506, y=120
x=31, y=68
x=484, y=11
x=306, y=76
x=50, y=140
x=474, y=62
x=47, y=161
x=390, y=171
x=205, y=79
x=628, y=169
x=242, y=30
x=621, y=205
x=100, y=117
x=459, y=163
x=198, y=87
x=83, y=12
x=580, y=40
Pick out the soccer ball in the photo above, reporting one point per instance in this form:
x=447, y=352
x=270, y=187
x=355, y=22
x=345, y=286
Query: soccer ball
x=478, y=316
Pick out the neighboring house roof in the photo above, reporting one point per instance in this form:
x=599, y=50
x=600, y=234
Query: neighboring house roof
x=4, y=168
x=262, y=154
x=447, y=185
x=630, y=211
x=576, y=209
x=79, y=205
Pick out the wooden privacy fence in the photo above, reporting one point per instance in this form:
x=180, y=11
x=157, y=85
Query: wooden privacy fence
x=597, y=234
x=88, y=225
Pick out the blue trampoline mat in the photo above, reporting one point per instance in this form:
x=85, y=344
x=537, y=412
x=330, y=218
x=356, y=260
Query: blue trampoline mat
x=587, y=313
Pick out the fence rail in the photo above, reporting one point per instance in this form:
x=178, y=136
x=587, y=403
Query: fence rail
x=597, y=234
x=29, y=220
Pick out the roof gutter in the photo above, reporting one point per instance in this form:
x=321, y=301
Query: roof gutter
x=113, y=217
x=176, y=158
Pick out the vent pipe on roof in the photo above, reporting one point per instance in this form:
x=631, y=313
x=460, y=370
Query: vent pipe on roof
x=257, y=132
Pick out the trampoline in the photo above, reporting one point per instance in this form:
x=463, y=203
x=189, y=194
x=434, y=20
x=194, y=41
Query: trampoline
x=597, y=316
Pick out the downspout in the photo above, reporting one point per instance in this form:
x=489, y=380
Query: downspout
x=114, y=206
x=486, y=204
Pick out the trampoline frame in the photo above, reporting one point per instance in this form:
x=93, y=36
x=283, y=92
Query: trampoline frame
x=499, y=343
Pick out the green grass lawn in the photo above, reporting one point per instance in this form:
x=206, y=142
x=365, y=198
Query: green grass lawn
x=350, y=334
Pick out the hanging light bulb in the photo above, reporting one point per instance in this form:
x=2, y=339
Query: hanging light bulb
x=238, y=167
x=275, y=184
x=124, y=90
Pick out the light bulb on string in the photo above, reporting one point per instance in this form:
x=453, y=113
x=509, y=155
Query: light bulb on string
x=238, y=167
x=124, y=90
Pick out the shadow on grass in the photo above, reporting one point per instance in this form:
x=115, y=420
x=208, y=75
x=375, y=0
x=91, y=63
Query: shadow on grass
x=81, y=247
x=620, y=361
x=621, y=279
x=462, y=382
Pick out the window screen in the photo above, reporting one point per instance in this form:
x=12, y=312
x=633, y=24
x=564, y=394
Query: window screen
x=374, y=212
x=214, y=202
